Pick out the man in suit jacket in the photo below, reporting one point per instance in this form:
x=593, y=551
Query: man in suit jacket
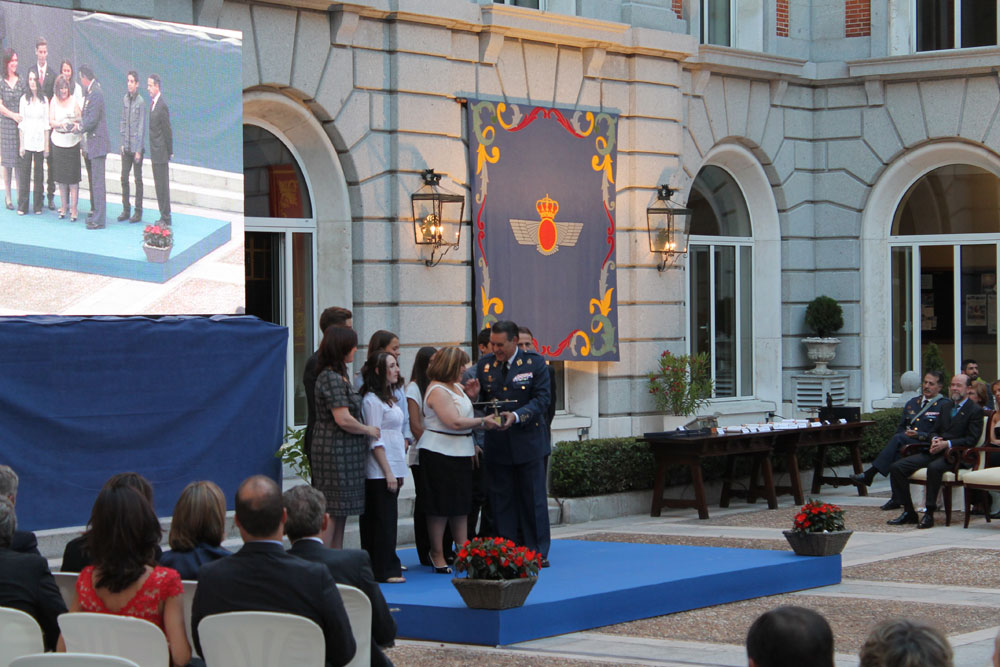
x=132, y=130
x=307, y=518
x=262, y=577
x=916, y=426
x=94, y=125
x=161, y=146
x=46, y=80
x=23, y=541
x=959, y=427
x=26, y=584
x=515, y=454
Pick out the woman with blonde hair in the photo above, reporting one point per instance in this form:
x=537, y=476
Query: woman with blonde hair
x=446, y=452
x=196, y=529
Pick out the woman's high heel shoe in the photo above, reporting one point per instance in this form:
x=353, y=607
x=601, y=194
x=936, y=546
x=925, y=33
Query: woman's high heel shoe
x=439, y=570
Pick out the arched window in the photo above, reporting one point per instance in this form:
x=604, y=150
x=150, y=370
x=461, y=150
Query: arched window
x=720, y=281
x=943, y=252
x=280, y=252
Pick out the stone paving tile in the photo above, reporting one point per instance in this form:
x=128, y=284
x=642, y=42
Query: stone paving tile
x=850, y=618
x=688, y=540
x=867, y=519
x=951, y=567
x=427, y=653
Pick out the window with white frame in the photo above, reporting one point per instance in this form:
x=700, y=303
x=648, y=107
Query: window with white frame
x=557, y=6
x=951, y=24
x=720, y=281
x=717, y=24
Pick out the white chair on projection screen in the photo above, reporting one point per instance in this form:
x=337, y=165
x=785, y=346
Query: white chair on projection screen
x=66, y=581
x=73, y=660
x=107, y=634
x=261, y=639
x=20, y=635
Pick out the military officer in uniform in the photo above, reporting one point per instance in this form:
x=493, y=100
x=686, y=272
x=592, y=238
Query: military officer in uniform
x=916, y=427
x=515, y=454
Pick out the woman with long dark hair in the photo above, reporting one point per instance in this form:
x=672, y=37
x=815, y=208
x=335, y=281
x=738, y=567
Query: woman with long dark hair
x=385, y=469
x=415, y=390
x=125, y=580
x=339, y=441
x=33, y=131
x=11, y=91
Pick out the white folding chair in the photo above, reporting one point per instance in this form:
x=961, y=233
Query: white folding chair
x=261, y=639
x=67, y=586
x=20, y=635
x=72, y=660
x=107, y=634
x=187, y=599
x=359, y=611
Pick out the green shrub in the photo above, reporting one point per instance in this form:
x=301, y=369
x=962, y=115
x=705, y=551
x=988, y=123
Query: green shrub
x=824, y=316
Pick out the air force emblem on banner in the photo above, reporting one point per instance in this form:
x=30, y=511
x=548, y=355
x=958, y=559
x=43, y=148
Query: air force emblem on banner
x=548, y=234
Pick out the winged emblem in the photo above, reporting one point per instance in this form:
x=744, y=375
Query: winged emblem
x=546, y=235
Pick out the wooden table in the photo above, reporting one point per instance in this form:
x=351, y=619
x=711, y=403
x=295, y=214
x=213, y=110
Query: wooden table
x=821, y=437
x=691, y=451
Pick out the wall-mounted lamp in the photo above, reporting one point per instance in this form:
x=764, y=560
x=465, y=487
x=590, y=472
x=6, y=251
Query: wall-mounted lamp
x=668, y=227
x=437, y=217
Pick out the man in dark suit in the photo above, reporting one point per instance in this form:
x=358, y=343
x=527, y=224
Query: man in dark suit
x=24, y=541
x=262, y=577
x=161, y=146
x=46, y=80
x=916, y=426
x=515, y=454
x=26, y=584
x=94, y=125
x=307, y=518
x=960, y=426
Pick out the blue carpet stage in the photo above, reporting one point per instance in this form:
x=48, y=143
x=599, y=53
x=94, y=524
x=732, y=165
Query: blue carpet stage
x=46, y=241
x=592, y=584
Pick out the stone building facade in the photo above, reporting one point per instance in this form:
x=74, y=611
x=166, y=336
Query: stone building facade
x=844, y=148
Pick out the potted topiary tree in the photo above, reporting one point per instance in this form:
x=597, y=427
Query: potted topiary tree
x=825, y=317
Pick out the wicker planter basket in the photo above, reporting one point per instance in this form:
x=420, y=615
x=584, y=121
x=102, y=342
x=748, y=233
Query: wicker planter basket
x=818, y=544
x=494, y=593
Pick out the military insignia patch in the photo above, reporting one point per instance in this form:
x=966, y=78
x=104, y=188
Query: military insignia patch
x=519, y=362
x=486, y=368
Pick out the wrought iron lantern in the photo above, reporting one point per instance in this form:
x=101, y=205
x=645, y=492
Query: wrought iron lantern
x=668, y=227
x=437, y=217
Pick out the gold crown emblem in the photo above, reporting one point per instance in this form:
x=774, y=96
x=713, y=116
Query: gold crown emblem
x=546, y=207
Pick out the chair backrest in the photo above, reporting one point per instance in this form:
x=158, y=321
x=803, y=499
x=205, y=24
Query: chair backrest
x=261, y=639
x=108, y=634
x=187, y=599
x=67, y=586
x=72, y=660
x=359, y=611
x=20, y=635
x=981, y=461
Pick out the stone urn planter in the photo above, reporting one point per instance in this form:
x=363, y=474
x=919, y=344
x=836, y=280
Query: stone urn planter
x=494, y=593
x=156, y=255
x=821, y=351
x=818, y=544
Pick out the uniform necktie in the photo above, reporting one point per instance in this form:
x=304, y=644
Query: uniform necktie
x=504, y=367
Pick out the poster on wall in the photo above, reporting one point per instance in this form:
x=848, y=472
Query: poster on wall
x=975, y=310
x=543, y=222
x=127, y=193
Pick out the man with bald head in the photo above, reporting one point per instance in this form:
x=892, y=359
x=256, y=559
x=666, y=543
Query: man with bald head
x=262, y=577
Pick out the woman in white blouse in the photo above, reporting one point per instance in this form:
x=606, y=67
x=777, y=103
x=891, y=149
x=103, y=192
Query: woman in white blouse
x=446, y=452
x=34, y=145
x=64, y=113
x=385, y=469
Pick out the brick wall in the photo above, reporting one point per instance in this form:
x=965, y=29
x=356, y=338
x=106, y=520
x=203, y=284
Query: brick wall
x=857, y=18
x=678, y=6
x=782, y=9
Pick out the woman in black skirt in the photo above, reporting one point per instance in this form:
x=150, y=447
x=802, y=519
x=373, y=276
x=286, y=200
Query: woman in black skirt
x=446, y=452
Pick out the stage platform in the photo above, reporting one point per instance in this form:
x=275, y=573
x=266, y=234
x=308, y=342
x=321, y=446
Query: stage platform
x=116, y=251
x=592, y=584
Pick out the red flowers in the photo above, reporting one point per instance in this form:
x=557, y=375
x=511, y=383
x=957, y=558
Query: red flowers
x=157, y=236
x=818, y=517
x=496, y=558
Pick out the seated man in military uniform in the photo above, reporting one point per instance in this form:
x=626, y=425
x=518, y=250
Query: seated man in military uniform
x=916, y=426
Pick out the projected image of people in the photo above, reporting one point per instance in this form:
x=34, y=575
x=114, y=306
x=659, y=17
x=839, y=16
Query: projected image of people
x=127, y=106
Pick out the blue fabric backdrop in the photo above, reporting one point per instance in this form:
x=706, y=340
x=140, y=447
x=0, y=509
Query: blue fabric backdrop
x=176, y=399
x=543, y=215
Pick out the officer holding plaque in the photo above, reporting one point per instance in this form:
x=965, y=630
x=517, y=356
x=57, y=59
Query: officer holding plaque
x=515, y=453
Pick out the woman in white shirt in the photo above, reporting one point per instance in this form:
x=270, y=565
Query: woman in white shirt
x=446, y=452
x=385, y=469
x=34, y=145
x=64, y=113
x=415, y=407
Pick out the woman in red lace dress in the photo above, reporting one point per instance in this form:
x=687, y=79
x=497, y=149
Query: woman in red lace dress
x=124, y=578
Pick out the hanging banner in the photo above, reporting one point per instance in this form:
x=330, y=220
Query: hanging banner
x=543, y=222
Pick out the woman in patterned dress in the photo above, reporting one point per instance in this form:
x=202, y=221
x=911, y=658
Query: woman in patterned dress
x=340, y=439
x=11, y=91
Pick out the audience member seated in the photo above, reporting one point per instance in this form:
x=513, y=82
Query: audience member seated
x=902, y=643
x=307, y=518
x=916, y=426
x=25, y=581
x=75, y=554
x=124, y=578
x=970, y=367
x=262, y=577
x=24, y=540
x=960, y=426
x=790, y=637
x=980, y=394
x=196, y=529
